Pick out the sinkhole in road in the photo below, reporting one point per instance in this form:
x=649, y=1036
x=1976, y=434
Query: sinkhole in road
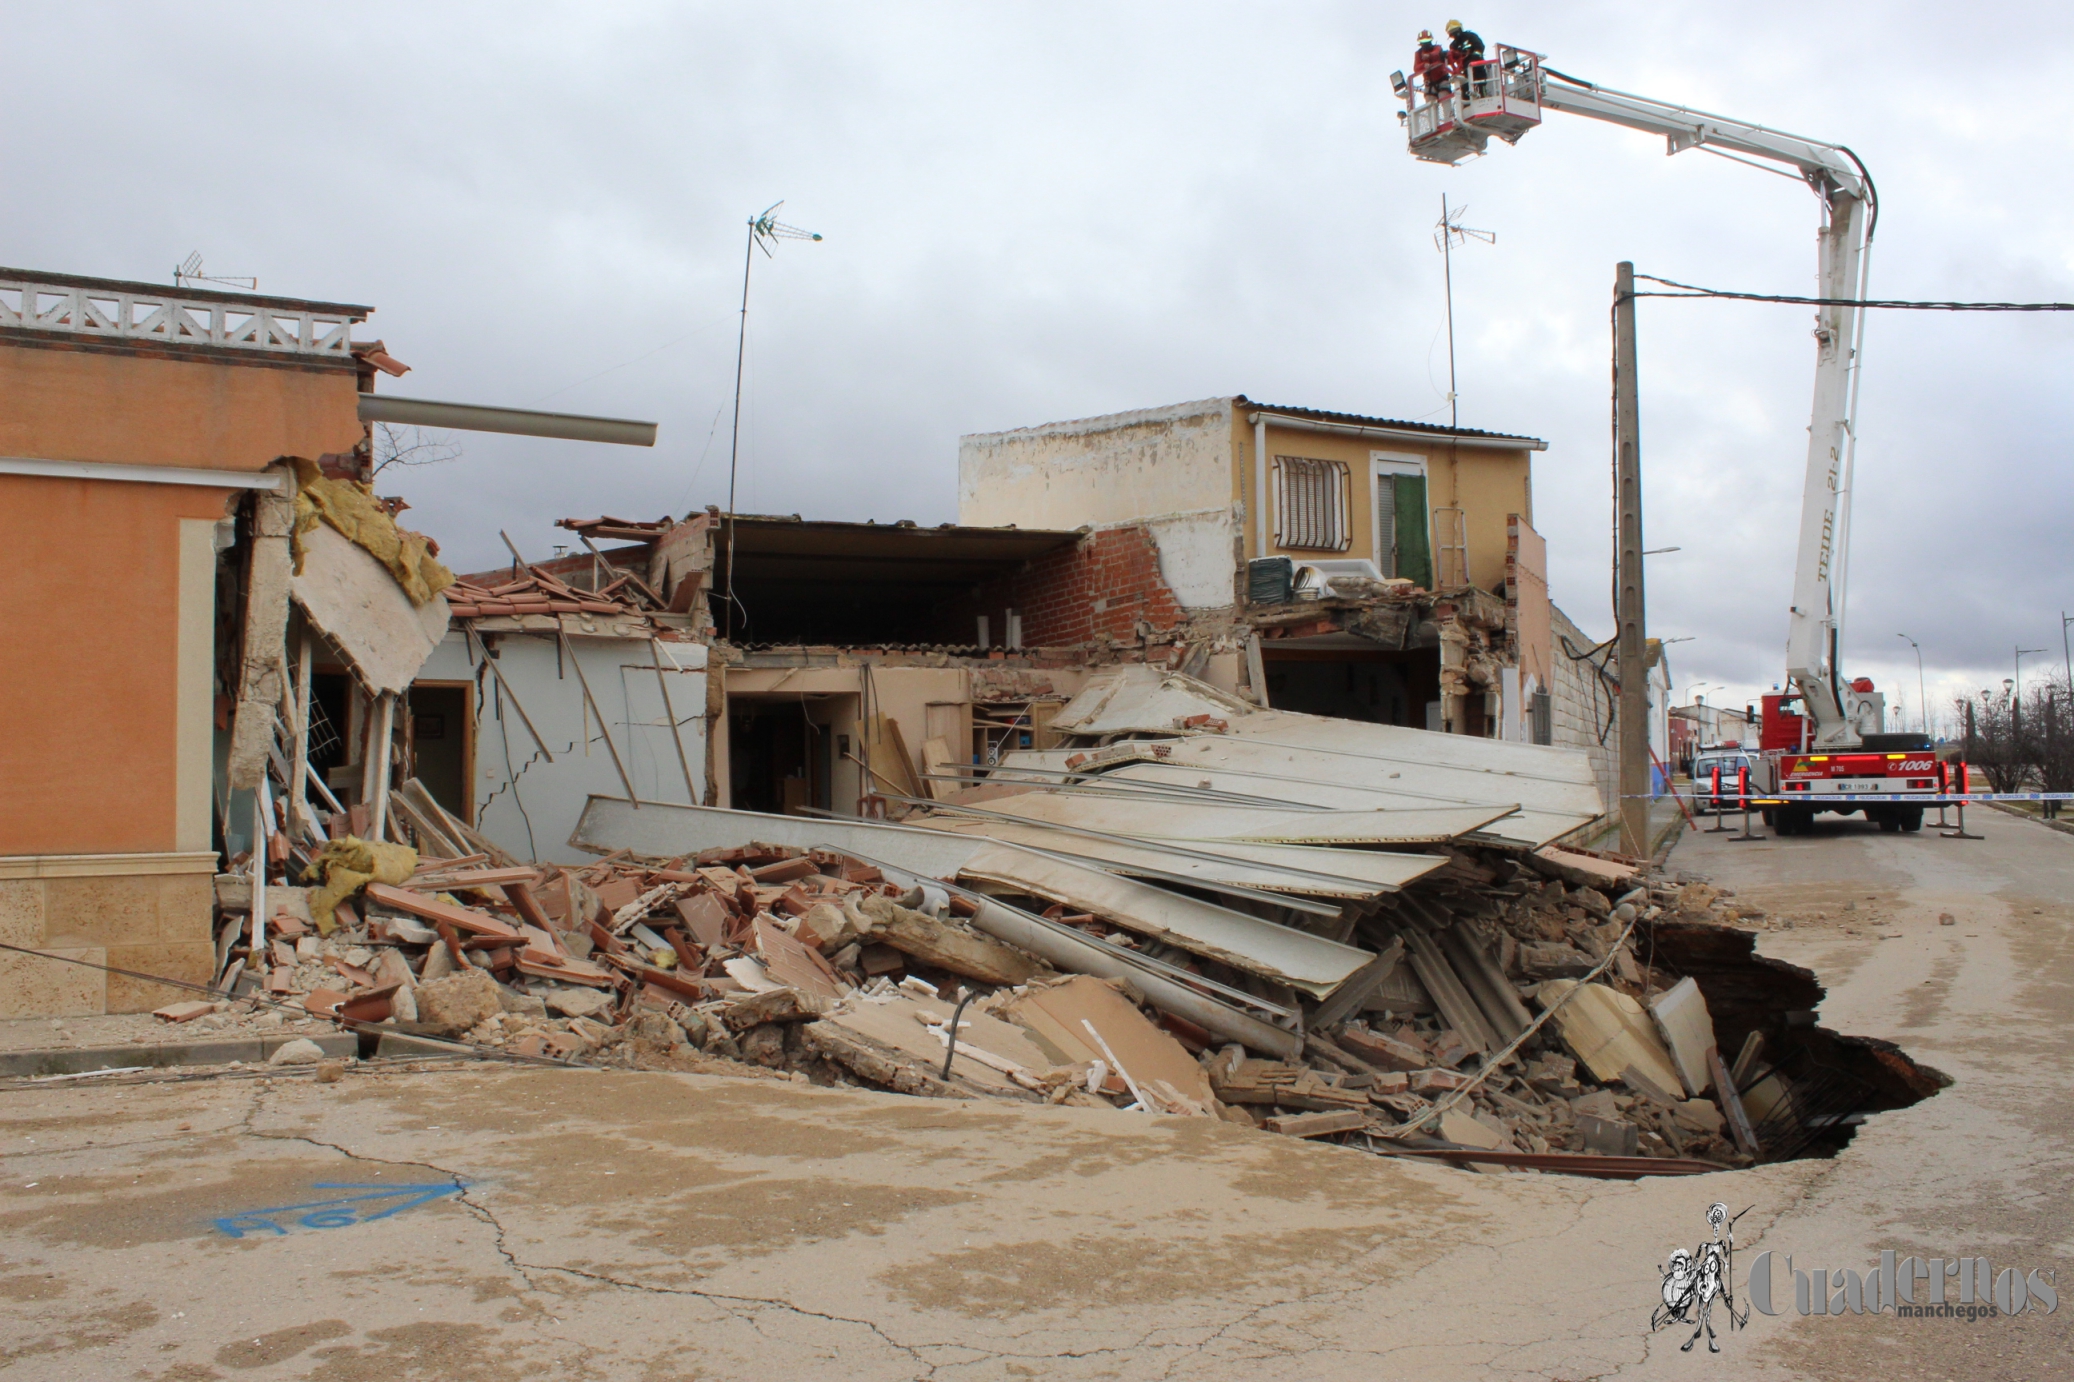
x=1807, y=1088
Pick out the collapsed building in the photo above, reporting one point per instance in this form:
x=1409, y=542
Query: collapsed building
x=1360, y=568
x=1206, y=815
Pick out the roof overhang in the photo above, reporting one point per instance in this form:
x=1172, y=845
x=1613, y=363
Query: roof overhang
x=790, y=549
x=1383, y=432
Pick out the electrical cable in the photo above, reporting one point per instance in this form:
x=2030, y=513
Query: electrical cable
x=1688, y=290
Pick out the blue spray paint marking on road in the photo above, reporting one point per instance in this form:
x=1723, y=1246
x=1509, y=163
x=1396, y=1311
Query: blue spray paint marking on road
x=343, y=1212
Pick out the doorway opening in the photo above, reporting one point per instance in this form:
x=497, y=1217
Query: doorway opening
x=443, y=743
x=786, y=753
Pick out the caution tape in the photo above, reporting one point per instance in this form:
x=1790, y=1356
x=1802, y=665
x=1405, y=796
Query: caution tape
x=1920, y=798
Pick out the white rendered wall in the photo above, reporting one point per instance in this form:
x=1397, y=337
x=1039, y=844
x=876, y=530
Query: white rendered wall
x=529, y=805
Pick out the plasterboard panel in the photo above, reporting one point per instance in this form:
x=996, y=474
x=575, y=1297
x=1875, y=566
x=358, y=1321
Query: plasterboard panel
x=1280, y=953
x=353, y=599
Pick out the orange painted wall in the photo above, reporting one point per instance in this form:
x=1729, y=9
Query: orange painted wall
x=89, y=581
x=89, y=599
x=94, y=405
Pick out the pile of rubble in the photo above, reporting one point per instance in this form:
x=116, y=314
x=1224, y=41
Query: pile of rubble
x=815, y=963
x=1190, y=907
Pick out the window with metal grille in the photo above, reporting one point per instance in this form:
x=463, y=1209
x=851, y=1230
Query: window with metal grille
x=1311, y=504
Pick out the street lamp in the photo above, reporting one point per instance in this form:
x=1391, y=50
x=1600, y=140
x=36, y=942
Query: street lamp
x=1922, y=701
x=2016, y=694
x=1659, y=551
x=2066, y=619
x=2018, y=680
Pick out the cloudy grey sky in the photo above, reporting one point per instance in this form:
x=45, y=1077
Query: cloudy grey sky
x=1043, y=211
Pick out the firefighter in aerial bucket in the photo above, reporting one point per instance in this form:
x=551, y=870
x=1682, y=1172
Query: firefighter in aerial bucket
x=1465, y=60
x=1430, y=64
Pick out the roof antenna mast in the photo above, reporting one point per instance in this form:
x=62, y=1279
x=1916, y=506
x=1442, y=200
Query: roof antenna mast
x=1447, y=235
x=765, y=230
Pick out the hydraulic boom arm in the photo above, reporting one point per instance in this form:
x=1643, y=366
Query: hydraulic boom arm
x=1506, y=95
x=1846, y=193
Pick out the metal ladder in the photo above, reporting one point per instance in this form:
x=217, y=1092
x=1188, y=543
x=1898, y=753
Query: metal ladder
x=1450, y=548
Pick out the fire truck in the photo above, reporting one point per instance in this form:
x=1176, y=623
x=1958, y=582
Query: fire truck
x=1796, y=782
x=1824, y=739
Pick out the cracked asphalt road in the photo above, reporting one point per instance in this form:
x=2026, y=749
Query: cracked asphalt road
x=656, y=1226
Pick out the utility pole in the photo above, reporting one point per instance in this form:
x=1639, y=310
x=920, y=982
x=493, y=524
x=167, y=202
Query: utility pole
x=1632, y=644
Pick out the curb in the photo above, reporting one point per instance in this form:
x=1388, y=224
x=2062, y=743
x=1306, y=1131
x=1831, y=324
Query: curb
x=2064, y=827
x=79, y=1060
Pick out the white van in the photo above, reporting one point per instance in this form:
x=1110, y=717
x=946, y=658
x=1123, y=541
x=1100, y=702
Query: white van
x=1731, y=762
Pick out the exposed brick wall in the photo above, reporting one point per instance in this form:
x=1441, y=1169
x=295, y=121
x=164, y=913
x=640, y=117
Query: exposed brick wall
x=1104, y=584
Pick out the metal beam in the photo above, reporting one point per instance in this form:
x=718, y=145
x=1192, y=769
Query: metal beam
x=471, y=417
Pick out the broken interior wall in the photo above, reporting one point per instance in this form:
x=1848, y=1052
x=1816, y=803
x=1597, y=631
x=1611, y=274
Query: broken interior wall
x=106, y=817
x=1584, y=701
x=1170, y=466
x=528, y=804
x=811, y=725
x=1528, y=624
x=1105, y=587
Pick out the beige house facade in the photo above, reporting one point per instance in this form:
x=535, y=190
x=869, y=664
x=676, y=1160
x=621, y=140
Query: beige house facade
x=1223, y=481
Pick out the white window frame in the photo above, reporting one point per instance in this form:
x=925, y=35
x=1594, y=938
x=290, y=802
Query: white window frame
x=1381, y=463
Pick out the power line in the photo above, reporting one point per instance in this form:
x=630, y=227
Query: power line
x=1688, y=290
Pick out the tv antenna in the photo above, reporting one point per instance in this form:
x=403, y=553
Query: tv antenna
x=189, y=271
x=1446, y=235
x=765, y=230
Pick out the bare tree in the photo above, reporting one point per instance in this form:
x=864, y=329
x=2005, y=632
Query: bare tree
x=1992, y=723
x=2048, y=734
x=411, y=446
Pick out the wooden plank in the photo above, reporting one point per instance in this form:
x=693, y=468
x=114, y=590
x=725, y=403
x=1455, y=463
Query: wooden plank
x=452, y=824
x=1732, y=1105
x=890, y=766
x=432, y=909
x=435, y=846
x=951, y=948
x=604, y=727
x=528, y=906
x=1316, y=1124
x=471, y=878
x=505, y=686
x=662, y=679
x=937, y=762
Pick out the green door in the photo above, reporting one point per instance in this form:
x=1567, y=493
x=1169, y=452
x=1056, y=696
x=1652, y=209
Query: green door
x=1414, y=546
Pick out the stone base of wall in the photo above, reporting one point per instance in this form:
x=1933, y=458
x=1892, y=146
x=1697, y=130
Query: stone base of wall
x=150, y=913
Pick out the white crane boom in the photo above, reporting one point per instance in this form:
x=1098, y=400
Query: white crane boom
x=1505, y=95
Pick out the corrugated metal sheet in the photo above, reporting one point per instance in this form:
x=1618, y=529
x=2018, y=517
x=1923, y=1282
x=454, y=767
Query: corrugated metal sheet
x=1320, y=761
x=1279, y=953
x=1165, y=819
x=1304, y=870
